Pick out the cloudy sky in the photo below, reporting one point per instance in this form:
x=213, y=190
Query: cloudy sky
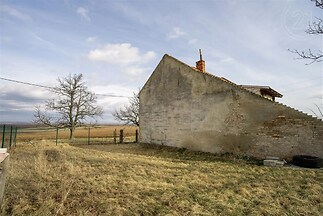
x=117, y=45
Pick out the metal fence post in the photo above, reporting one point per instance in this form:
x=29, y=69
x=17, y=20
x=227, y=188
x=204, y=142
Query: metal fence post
x=10, y=139
x=3, y=134
x=15, y=137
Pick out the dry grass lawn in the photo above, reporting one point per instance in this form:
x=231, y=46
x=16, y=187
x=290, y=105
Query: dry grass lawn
x=137, y=179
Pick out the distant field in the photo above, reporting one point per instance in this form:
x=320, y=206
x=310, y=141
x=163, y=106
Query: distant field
x=45, y=133
x=138, y=179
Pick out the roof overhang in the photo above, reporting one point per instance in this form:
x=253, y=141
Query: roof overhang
x=264, y=90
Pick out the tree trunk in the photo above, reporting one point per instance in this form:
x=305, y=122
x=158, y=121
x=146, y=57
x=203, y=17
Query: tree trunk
x=72, y=134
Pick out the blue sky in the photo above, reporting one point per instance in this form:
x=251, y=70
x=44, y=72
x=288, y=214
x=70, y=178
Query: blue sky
x=117, y=45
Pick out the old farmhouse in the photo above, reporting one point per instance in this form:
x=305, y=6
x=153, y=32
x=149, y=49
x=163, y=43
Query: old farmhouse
x=186, y=107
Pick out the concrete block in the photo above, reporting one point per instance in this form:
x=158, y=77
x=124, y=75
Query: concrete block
x=272, y=158
x=274, y=163
x=4, y=157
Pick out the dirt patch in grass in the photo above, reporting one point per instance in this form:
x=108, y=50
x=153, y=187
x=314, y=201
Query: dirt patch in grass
x=138, y=179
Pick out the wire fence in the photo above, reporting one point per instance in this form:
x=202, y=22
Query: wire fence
x=10, y=135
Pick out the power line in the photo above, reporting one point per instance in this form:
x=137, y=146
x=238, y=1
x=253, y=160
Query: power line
x=26, y=83
x=111, y=95
x=52, y=88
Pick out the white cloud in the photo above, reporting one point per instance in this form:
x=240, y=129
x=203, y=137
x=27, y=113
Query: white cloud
x=135, y=71
x=91, y=39
x=176, y=32
x=123, y=53
x=14, y=12
x=84, y=13
x=226, y=59
x=106, y=97
x=148, y=56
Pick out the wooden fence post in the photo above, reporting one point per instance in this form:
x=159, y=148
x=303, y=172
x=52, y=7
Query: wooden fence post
x=89, y=135
x=56, y=134
x=115, y=136
x=136, y=135
x=121, y=136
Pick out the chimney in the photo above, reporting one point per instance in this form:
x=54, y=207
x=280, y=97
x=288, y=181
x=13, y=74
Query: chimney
x=200, y=65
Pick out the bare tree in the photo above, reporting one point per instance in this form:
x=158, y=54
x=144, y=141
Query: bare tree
x=73, y=107
x=318, y=3
x=129, y=114
x=314, y=28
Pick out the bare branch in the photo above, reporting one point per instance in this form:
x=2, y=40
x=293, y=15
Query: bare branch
x=318, y=3
x=319, y=112
x=74, y=105
x=129, y=114
x=315, y=27
x=41, y=118
x=309, y=55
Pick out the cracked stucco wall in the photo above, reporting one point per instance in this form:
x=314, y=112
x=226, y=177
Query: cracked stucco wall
x=185, y=108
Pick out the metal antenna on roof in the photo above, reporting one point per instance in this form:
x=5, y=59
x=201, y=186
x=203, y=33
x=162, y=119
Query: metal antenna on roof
x=200, y=65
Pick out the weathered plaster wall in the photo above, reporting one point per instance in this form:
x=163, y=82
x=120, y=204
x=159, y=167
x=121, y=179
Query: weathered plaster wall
x=184, y=108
